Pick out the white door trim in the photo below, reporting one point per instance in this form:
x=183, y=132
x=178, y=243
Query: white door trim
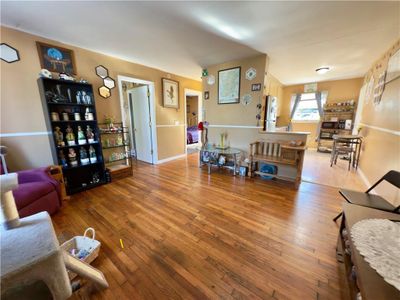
x=152, y=108
x=199, y=94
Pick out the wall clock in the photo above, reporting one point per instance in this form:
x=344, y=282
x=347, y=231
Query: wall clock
x=251, y=74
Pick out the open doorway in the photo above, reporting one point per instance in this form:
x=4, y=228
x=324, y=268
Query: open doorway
x=193, y=115
x=138, y=115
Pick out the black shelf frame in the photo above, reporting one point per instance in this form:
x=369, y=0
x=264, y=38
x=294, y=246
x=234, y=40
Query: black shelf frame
x=77, y=178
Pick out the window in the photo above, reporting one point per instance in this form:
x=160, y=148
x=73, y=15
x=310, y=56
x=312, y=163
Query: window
x=307, y=108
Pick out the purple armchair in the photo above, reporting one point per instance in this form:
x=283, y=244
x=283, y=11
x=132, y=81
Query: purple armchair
x=37, y=191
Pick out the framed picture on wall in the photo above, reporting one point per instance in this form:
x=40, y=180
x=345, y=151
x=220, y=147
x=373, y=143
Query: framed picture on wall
x=206, y=95
x=229, y=86
x=56, y=59
x=170, y=93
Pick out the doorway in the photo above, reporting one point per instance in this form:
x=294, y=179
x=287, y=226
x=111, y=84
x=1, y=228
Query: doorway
x=193, y=115
x=138, y=115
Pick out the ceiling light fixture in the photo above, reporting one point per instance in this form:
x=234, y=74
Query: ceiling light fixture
x=322, y=70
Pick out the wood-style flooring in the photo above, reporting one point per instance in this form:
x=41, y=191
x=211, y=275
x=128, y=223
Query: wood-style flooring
x=190, y=235
x=317, y=169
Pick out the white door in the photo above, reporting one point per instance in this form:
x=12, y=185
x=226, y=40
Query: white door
x=141, y=122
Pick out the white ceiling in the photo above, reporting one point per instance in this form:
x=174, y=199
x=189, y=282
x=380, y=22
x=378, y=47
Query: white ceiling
x=181, y=37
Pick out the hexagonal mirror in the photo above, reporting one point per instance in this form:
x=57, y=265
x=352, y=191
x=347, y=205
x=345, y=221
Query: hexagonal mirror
x=101, y=71
x=104, y=91
x=8, y=53
x=109, y=82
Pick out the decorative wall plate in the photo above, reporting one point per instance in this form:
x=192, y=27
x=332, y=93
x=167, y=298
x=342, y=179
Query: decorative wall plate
x=211, y=79
x=251, y=74
x=8, y=54
x=246, y=99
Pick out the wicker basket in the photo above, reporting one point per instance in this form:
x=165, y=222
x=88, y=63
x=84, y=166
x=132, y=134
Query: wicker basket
x=91, y=245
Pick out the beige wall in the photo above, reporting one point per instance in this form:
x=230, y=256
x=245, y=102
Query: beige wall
x=21, y=109
x=235, y=114
x=338, y=90
x=381, y=149
x=274, y=87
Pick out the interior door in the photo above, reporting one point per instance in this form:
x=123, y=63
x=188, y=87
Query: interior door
x=141, y=123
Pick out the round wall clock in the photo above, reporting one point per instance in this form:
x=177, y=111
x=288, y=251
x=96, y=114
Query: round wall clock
x=246, y=99
x=211, y=79
x=251, y=74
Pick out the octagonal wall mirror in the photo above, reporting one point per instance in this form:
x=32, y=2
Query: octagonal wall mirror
x=101, y=71
x=8, y=53
x=109, y=82
x=104, y=92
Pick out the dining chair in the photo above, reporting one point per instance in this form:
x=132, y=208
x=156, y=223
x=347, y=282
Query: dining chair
x=371, y=200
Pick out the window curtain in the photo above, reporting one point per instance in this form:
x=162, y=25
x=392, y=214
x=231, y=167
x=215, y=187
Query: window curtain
x=320, y=97
x=295, y=100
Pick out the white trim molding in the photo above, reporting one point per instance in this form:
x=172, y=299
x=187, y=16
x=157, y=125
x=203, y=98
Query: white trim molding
x=171, y=158
x=235, y=126
x=381, y=129
x=365, y=180
x=173, y=125
x=18, y=134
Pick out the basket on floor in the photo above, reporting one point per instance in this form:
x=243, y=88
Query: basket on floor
x=85, y=243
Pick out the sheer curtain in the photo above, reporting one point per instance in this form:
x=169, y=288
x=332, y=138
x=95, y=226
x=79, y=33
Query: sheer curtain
x=295, y=102
x=321, y=98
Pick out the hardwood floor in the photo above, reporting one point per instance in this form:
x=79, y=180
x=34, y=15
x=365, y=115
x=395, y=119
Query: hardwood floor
x=188, y=235
x=317, y=169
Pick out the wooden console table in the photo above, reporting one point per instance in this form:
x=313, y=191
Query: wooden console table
x=368, y=282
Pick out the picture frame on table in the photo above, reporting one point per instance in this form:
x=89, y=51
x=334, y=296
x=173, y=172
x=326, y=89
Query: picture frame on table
x=56, y=59
x=229, y=86
x=170, y=93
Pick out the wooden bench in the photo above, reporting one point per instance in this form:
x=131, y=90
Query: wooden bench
x=277, y=153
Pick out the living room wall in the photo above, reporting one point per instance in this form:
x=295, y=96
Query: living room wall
x=338, y=90
x=23, y=128
x=381, y=130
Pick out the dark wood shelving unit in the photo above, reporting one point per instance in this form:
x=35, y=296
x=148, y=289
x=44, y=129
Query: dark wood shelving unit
x=82, y=176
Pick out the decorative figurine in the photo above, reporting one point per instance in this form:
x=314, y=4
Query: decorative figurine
x=81, y=136
x=83, y=93
x=95, y=178
x=62, y=158
x=65, y=116
x=55, y=116
x=69, y=95
x=89, y=134
x=79, y=97
x=44, y=73
x=59, y=136
x=92, y=155
x=72, y=157
x=83, y=156
x=119, y=140
x=88, y=114
x=70, y=136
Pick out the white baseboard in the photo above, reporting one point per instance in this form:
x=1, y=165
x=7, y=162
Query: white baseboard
x=364, y=178
x=170, y=158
